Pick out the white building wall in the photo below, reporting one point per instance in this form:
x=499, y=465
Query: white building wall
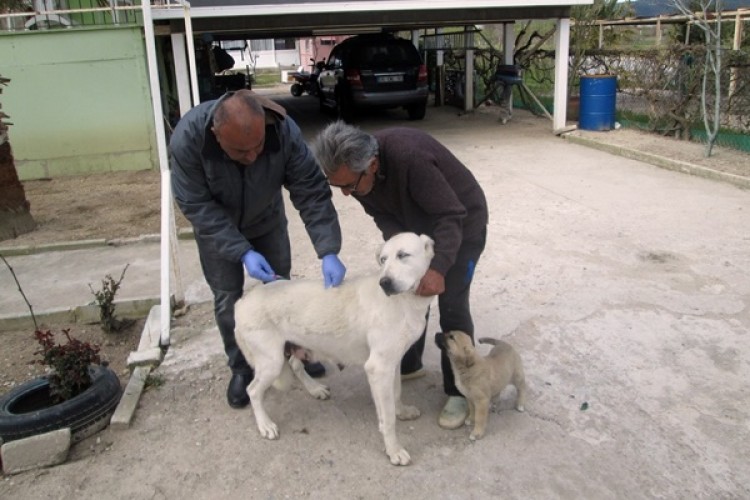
x=265, y=55
x=264, y=59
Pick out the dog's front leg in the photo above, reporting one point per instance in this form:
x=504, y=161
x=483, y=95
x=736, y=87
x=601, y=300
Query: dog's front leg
x=481, y=414
x=472, y=410
x=380, y=376
x=403, y=412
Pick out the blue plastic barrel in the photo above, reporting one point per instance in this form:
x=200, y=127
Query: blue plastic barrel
x=598, y=97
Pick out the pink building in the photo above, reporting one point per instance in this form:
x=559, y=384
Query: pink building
x=317, y=48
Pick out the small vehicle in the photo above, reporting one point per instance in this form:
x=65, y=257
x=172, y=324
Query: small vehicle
x=374, y=71
x=307, y=82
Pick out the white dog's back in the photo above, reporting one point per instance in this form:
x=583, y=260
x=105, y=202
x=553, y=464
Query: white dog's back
x=333, y=322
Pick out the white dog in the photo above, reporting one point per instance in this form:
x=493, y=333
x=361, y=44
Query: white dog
x=370, y=320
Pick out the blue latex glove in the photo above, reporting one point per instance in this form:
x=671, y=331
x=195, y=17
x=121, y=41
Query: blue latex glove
x=333, y=270
x=257, y=266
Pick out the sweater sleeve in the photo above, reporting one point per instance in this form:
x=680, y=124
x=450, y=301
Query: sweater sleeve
x=431, y=191
x=310, y=193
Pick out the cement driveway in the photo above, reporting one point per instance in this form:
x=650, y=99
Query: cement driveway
x=623, y=286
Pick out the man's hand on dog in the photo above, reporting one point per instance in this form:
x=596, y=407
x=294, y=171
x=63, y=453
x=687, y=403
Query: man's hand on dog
x=432, y=283
x=258, y=267
x=333, y=270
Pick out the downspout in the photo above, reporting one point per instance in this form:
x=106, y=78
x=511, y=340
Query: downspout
x=191, y=53
x=166, y=194
x=562, y=56
x=469, y=70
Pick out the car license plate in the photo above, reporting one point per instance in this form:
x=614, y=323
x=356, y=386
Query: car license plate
x=390, y=78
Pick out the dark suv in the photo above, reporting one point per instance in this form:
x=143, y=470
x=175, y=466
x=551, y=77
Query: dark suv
x=374, y=71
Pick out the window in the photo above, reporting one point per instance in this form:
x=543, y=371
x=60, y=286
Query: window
x=233, y=44
x=258, y=45
x=284, y=44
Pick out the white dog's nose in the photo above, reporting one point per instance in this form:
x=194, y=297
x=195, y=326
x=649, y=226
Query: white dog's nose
x=387, y=285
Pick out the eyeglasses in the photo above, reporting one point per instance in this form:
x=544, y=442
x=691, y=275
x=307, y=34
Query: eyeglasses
x=351, y=187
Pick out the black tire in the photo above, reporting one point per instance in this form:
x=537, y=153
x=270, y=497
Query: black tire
x=344, y=107
x=416, y=111
x=85, y=414
x=296, y=89
x=322, y=103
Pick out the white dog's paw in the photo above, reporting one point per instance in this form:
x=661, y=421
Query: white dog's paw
x=320, y=392
x=268, y=430
x=400, y=457
x=520, y=408
x=407, y=412
x=468, y=421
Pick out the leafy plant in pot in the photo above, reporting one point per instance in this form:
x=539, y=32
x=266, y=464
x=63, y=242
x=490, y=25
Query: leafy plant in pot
x=79, y=392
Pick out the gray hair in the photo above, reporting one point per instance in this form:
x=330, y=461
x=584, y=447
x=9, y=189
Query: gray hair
x=342, y=144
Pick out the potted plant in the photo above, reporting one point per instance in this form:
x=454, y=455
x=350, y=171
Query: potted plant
x=79, y=392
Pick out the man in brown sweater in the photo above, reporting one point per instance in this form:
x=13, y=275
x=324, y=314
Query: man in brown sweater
x=407, y=181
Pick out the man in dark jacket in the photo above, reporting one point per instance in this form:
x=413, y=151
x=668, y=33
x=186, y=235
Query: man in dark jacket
x=229, y=160
x=407, y=181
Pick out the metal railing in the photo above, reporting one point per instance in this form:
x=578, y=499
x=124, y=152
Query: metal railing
x=460, y=40
x=115, y=14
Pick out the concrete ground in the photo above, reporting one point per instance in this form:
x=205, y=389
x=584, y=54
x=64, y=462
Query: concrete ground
x=623, y=286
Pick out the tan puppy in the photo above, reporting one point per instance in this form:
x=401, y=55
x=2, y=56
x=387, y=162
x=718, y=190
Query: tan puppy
x=480, y=378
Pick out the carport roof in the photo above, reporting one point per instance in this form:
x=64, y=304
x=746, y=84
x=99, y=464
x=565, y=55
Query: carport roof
x=300, y=18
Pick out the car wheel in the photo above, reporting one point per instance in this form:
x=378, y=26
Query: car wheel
x=416, y=111
x=322, y=102
x=344, y=107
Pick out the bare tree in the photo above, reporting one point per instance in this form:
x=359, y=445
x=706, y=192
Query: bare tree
x=712, y=62
x=15, y=217
x=584, y=34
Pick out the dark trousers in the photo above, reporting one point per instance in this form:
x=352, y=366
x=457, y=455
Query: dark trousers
x=227, y=278
x=455, y=311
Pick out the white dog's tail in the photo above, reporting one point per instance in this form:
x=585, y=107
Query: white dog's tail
x=489, y=340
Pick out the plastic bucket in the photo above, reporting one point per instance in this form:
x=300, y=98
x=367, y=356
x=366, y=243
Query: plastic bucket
x=598, y=97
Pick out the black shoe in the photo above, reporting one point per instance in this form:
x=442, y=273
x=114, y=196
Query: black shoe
x=237, y=391
x=314, y=369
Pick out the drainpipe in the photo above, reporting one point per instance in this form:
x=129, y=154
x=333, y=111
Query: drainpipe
x=166, y=195
x=562, y=54
x=440, y=69
x=469, y=70
x=191, y=52
x=509, y=49
x=179, y=54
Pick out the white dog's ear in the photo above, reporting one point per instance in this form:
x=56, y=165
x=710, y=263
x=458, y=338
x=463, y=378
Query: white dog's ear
x=429, y=244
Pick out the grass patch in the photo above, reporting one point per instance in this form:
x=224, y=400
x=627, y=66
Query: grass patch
x=266, y=79
x=154, y=380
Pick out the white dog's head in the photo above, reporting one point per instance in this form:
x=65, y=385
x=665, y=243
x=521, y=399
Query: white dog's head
x=404, y=260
